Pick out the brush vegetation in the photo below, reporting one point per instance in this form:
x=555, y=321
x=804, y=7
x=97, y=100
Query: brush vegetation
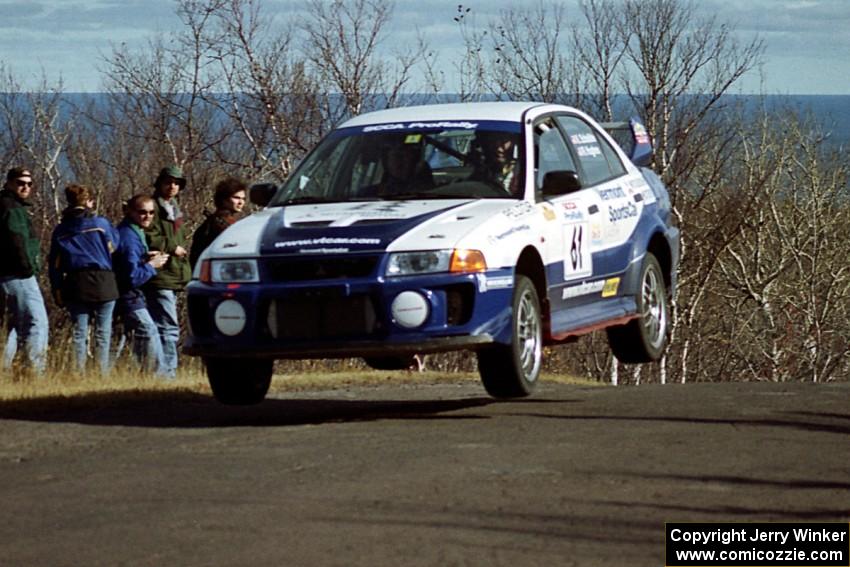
x=759, y=193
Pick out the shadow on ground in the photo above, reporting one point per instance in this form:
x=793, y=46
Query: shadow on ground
x=193, y=410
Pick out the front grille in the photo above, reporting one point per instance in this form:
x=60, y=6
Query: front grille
x=320, y=268
x=321, y=314
x=200, y=315
x=460, y=300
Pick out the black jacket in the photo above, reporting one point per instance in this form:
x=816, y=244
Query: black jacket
x=213, y=225
x=19, y=246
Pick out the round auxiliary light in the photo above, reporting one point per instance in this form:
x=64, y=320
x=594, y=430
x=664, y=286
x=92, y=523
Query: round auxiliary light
x=230, y=317
x=410, y=309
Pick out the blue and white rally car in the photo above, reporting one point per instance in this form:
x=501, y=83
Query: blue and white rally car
x=499, y=227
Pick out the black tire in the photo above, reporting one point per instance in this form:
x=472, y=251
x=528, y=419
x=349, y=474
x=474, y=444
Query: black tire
x=239, y=381
x=390, y=362
x=511, y=371
x=644, y=339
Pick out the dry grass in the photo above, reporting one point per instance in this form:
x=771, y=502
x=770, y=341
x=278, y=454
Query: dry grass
x=59, y=384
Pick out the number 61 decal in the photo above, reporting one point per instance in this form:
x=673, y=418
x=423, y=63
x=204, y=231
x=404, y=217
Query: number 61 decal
x=578, y=261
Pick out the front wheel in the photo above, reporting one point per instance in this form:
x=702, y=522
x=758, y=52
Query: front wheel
x=645, y=338
x=239, y=381
x=511, y=371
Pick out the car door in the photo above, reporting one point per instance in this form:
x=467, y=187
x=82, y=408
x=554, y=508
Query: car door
x=575, y=226
x=603, y=174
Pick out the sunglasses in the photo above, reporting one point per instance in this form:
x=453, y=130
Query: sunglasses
x=22, y=183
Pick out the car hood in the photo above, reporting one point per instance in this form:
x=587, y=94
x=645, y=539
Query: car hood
x=372, y=226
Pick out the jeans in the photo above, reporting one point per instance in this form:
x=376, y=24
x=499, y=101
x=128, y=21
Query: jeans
x=162, y=304
x=147, y=348
x=101, y=314
x=27, y=321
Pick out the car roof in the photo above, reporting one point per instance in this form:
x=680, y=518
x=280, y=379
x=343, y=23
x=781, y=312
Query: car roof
x=505, y=111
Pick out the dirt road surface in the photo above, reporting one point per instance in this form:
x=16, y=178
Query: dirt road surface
x=414, y=475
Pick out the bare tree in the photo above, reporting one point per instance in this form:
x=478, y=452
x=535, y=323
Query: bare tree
x=786, y=276
x=266, y=91
x=536, y=65
x=342, y=46
x=680, y=66
x=37, y=127
x=470, y=68
x=598, y=50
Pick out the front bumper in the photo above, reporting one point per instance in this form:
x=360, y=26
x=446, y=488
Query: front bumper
x=348, y=349
x=353, y=317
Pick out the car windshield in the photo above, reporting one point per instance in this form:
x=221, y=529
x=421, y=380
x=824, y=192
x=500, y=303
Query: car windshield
x=411, y=160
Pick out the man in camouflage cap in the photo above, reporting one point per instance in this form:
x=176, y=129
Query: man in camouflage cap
x=168, y=234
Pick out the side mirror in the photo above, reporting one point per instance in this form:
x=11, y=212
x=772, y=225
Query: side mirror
x=261, y=194
x=560, y=182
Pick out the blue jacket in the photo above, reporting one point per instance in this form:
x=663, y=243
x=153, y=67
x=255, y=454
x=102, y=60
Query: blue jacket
x=80, y=259
x=132, y=267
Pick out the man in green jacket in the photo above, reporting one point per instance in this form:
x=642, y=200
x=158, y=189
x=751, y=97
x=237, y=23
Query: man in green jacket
x=20, y=253
x=167, y=233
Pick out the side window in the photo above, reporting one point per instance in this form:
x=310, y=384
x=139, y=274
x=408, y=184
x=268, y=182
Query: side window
x=598, y=159
x=550, y=151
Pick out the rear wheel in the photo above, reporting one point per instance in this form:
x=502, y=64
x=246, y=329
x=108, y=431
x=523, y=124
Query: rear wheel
x=645, y=338
x=239, y=381
x=511, y=371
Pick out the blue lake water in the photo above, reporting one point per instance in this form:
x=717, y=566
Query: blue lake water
x=830, y=112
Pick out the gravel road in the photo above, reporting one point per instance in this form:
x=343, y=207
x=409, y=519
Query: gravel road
x=432, y=474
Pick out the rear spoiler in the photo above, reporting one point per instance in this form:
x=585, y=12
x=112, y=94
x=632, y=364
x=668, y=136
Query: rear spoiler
x=633, y=138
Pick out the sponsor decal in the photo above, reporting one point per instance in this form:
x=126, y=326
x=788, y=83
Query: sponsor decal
x=519, y=210
x=444, y=124
x=610, y=288
x=383, y=207
x=510, y=232
x=578, y=261
x=589, y=150
x=583, y=139
x=596, y=234
x=616, y=214
x=325, y=251
x=326, y=241
x=640, y=133
x=463, y=125
x=585, y=288
x=362, y=211
x=569, y=205
x=573, y=215
x=641, y=192
x=382, y=127
x=500, y=282
x=549, y=214
x=612, y=193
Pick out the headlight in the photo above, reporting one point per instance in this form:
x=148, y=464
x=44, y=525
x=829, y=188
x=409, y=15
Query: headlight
x=412, y=263
x=435, y=261
x=234, y=271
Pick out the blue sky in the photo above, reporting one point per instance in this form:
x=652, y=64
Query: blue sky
x=808, y=41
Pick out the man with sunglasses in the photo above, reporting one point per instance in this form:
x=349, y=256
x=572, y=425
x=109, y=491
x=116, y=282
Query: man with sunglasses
x=20, y=251
x=135, y=265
